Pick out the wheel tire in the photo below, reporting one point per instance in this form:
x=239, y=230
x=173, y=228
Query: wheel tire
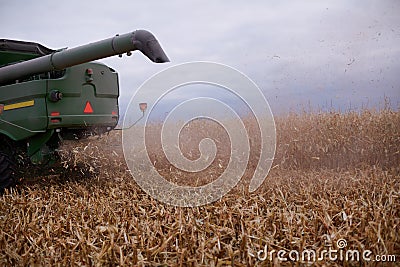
x=7, y=172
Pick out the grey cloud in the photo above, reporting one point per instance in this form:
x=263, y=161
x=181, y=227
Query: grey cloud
x=296, y=51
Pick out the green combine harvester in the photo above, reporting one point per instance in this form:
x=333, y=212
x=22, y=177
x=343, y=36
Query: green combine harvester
x=49, y=95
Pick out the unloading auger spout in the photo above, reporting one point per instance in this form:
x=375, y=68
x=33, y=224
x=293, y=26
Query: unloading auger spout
x=141, y=40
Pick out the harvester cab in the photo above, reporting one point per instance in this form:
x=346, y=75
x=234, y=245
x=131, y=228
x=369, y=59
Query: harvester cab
x=46, y=95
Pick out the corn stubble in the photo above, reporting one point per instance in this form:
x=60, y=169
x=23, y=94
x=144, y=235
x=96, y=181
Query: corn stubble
x=335, y=176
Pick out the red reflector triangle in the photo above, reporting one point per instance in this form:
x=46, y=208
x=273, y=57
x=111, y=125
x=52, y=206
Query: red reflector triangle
x=88, y=108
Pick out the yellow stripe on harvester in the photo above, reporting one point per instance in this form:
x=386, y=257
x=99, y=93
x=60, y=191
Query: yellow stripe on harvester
x=20, y=105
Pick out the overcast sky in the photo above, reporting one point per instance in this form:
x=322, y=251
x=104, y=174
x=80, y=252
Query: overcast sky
x=325, y=53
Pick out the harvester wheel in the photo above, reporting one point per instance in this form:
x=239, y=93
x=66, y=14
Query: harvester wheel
x=7, y=172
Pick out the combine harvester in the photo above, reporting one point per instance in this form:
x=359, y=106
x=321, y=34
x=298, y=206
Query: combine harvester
x=48, y=95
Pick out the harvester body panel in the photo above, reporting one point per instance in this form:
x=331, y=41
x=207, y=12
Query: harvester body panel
x=86, y=101
x=24, y=109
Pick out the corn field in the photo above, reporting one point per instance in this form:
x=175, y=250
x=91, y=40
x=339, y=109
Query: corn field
x=335, y=177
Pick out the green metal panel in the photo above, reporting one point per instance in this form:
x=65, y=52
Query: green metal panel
x=101, y=91
x=23, y=122
x=10, y=57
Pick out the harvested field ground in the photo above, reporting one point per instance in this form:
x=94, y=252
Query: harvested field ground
x=335, y=177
